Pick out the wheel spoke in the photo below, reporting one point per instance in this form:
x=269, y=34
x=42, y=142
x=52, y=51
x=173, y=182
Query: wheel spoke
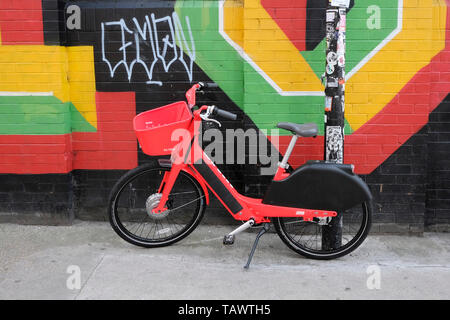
x=172, y=210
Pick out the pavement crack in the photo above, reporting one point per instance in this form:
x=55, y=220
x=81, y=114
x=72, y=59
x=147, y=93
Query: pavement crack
x=204, y=240
x=89, y=276
x=418, y=266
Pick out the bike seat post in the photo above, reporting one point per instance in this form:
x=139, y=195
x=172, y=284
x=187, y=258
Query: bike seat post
x=283, y=164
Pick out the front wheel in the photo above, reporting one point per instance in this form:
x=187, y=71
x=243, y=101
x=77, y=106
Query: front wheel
x=326, y=240
x=136, y=194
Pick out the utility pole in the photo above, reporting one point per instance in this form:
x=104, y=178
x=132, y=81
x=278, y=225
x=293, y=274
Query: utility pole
x=334, y=103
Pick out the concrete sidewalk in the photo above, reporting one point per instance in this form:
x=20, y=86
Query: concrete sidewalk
x=35, y=260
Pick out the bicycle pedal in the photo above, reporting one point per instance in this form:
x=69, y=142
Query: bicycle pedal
x=228, y=239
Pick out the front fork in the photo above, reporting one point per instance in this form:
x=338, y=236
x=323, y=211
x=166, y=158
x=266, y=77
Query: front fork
x=180, y=153
x=166, y=186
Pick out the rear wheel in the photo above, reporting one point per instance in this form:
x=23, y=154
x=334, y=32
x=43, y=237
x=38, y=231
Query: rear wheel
x=136, y=194
x=312, y=238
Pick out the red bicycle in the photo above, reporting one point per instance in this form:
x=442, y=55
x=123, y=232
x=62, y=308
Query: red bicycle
x=321, y=210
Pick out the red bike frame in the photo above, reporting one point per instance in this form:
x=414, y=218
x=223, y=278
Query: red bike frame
x=190, y=157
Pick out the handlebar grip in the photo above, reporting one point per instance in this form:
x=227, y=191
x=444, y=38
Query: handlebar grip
x=224, y=114
x=209, y=85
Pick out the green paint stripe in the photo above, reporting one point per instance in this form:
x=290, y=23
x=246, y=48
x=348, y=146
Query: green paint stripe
x=245, y=86
x=78, y=122
x=40, y=115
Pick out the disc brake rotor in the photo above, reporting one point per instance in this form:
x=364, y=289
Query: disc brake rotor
x=151, y=203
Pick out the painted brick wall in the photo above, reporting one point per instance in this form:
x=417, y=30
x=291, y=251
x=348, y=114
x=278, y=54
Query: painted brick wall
x=68, y=95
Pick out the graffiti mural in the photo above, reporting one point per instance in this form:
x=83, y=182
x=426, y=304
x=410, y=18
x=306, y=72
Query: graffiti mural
x=78, y=87
x=147, y=39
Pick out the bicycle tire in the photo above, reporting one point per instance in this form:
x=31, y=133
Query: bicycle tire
x=318, y=254
x=118, y=225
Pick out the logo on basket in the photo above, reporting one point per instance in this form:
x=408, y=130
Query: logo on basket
x=148, y=124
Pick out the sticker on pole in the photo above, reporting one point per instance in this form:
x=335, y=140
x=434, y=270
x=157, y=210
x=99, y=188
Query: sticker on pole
x=330, y=69
x=332, y=58
x=334, y=144
x=328, y=103
x=331, y=15
x=340, y=3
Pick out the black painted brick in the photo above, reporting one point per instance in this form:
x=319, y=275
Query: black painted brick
x=438, y=174
x=35, y=198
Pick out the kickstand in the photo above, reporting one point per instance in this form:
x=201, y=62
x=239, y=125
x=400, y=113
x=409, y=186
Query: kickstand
x=265, y=228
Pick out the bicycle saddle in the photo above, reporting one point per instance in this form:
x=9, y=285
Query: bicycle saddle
x=303, y=130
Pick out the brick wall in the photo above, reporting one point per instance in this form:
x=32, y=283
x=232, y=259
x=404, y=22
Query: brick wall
x=437, y=214
x=68, y=95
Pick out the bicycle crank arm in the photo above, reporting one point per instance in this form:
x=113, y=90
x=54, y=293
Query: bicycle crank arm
x=229, y=238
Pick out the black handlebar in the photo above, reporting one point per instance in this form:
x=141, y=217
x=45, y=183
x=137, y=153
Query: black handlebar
x=224, y=114
x=208, y=85
x=216, y=111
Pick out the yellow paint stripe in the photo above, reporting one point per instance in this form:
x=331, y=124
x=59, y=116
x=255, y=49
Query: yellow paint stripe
x=234, y=25
x=82, y=81
x=267, y=45
x=67, y=72
x=380, y=80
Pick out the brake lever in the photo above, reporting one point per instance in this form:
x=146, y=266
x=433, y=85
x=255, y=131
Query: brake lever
x=205, y=116
x=209, y=119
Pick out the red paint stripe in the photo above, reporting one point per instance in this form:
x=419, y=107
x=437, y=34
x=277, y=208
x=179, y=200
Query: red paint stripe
x=21, y=22
x=290, y=16
x=113, y=146
x=35, y=154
